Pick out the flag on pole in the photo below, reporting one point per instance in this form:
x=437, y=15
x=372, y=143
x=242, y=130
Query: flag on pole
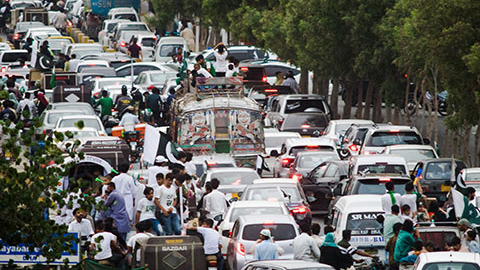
x=464, y=208
x=53, y=79
x=157, y=143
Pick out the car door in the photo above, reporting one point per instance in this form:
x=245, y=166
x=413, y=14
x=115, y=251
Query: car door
x=231, y=253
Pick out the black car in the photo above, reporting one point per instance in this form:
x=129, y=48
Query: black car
x=319, y=183
x=307, y=124
x=435, y=176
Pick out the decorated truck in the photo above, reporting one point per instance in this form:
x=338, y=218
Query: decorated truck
x=215, y=117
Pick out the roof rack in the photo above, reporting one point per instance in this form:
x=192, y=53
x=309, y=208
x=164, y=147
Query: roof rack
x=219, y=87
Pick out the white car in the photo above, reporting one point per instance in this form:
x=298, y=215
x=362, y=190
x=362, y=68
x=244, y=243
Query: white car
x=49, y=118
x=76, y=134
x=274, y=141
x=447, y=260
x=5, y=47
x=125, y=70
x=85, y=47
x=377, y=164
x=148, y=79
x=46, y=30
x=413, y=153
x=167, y=46
x=99, y=83
x=242, y=208
x=125, y=37
x=91, y=63
x=291, y=147
x=127, y=13
x=91, y=121
x=107, y=28
x=336, y=128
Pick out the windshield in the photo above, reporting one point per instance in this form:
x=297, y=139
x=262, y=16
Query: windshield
x=312, y=161
x=110, y=26
x=10, y=56
x=149, y=42
x=304, y=105
x=386, y=138
x=382, y=168
x=82, y=67
x=235, y=178
x=438, y=170
x=93, y=123
x=86, y=109
x=450, y=266
x=161, y=78
x=280, y=232
x=274, y=194
x=305, y=121
x=58, y=43
x=342, y=128
x=243, y=211
x=169, y=49
x=297, y=149
x=373, y=186
x=414, y=155
x=364, y=224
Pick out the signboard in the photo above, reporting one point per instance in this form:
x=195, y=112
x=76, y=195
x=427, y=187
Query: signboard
x=102, y=7
x=74, y=93
x=19, y=255
x=69, y=78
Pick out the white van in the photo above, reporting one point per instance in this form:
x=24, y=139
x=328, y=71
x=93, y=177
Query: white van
x=377, y=164
x=167, y=46
x=358, y=213
x=126, y=13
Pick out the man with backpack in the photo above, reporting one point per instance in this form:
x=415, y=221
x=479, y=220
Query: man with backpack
x=155, y=104
x=26, y=108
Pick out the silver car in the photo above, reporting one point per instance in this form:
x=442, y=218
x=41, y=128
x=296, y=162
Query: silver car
x=305, y=162
x=246, y=232
x=286, y=265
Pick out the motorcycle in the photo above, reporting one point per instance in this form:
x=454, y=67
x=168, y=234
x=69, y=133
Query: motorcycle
x=373, y=264
x=135, y=143
x=428, y=101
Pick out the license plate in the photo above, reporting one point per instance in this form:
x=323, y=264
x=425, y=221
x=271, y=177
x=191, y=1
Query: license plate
x=445, y=188
x=306, y=136
x=371, y=251
x=235, y=195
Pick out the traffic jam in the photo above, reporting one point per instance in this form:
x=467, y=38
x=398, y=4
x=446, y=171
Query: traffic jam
x=216, y=159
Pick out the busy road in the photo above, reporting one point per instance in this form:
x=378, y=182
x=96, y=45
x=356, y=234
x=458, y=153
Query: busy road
x=145, y=150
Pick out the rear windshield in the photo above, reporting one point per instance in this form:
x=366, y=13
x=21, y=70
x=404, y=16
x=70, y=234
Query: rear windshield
x=374, y=187
x=305, y=121
x=364, y=224
x=382, y=168
x=110, y=26
x=438, y=170
x=297, y=149
x=414, y=155
x=80, y=68
x=274, y=194
x=471, y=176
x=450, y=266
x=169, y=49
x=235, y=178
x=126, y=16
x=161, y=78
x=9, y=56
x=386, y=138
x=23, y=27
x=253, y=73
x=53, y=117
x=139, y=27
x=276, y=141
x=93, y=123
x=438, y=238
x=304, y=105
x=280, y=232
x=243, y=211
x=311, y=161
x=149, y=42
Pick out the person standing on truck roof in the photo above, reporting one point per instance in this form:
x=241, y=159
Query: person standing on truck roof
x=60, y=21
x=390, y=220
x=390, y=198
x=188, y=35
x=166, y=200
x=134, y=50
x=221, y=54
x=410, y=198
x=206, y=64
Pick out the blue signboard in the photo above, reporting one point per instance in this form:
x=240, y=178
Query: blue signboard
x=19, y=255
x=101, y=7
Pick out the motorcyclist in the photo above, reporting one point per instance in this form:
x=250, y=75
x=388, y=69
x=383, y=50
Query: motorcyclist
x=123, y=100
x=129, y=120
x=212, y=242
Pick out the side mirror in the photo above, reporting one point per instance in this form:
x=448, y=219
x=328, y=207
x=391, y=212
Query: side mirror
x=274, y=153
x=337, y=191
x=426, y=141
x=357, y=142
x=343, y=177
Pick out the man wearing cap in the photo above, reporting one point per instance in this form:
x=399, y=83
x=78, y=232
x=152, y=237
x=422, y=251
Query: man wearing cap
x=266, y=249
x=464, y=225
x=160, y=166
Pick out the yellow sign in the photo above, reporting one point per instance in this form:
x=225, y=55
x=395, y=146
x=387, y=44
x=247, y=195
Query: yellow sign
x=445, y=188
x=174, y=241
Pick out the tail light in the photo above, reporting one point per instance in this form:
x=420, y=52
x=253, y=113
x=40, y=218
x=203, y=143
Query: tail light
x=123, y=44
x=3, y=69
x=212, y=263
x=69, y=23
x=264, y=79
x=244, y=69
x=384, y=179
x=354, y=148
x=286, y=162
x=240, y=249
x=16, y=36
x=150, y=87
x=305, y=126
x=280, y=121
x=300, y=210
x=297, y=177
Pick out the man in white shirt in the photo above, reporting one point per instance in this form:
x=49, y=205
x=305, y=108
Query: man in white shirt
x=160, y=166
x=81, y=226
x=73, y=62
x=125, y=186
x=142, y=232
x=146, y=211
x=201, y=71
x=166, y=200
x=103, y=243
x=390, y=198
x=215, y=202
x=26, y=104
x=304, y=247
x=410, y=198
x=212, y=242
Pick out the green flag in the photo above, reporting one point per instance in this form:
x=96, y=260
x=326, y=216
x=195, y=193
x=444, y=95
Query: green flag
x=53, y=79
x=463, y=208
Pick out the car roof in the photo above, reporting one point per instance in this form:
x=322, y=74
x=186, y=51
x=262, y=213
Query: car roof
x=75, y=129
x=292, y=142
x=240, y=204
x=100, y=138
x=387, y=127
x=255, y=219
x=409, y=146
x=290, y=264
x=153, y=72
x=361, y=203
x=230, y=169
x=218, y=158
x=315, y=153
x=352, y=121
x=70, y=103
x=63, y=110
x=282, y=134
x=171, y=40
x=381, y=175
x=378, y=158
x=274, y=181
x=440, y=160
x=77, y=116
x=450, y=256
x=305, y=113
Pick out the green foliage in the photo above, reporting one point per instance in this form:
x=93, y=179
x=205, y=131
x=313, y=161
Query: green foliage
x=30, y=169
